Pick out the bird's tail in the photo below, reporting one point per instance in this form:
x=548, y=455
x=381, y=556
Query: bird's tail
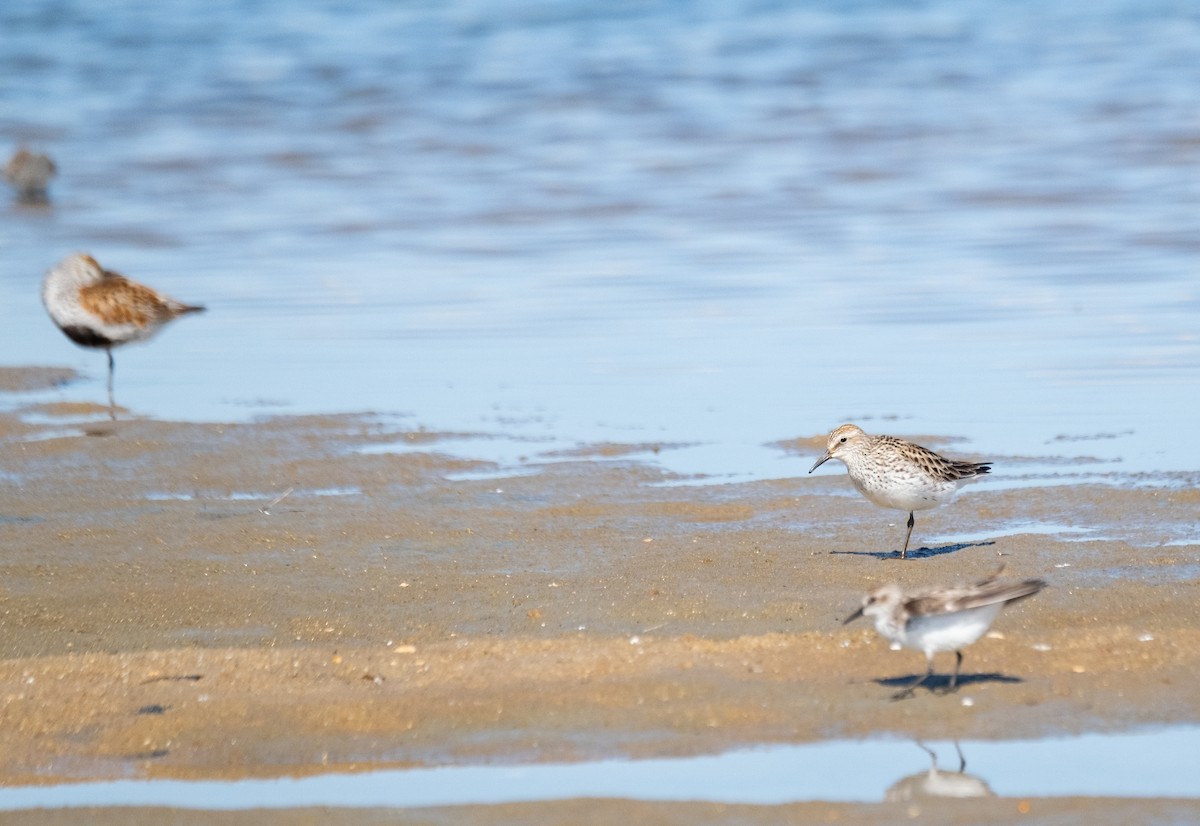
x=1009, y=592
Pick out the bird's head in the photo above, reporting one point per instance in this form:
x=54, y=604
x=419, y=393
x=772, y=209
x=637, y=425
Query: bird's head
x=842, y=441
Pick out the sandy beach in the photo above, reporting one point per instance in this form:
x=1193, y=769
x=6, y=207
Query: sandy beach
x=525, y=322
x=162, y=618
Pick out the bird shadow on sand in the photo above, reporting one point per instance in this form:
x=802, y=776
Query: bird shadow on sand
x=940, y=683
x=918, y=553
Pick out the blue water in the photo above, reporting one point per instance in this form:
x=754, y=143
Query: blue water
x=711, y=224
x=1139, y=764
x=725, y=223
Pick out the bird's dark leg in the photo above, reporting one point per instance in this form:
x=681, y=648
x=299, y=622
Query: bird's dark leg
x=908, y=690
x=112, y=404
x=932, y=756
x=908, y=536
x=962, y=761
x=957, y=666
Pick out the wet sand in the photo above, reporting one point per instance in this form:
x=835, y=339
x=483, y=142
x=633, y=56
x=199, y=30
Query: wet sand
x=410, y=608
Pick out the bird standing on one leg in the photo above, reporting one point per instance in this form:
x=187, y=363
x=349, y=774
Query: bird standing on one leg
x=940, y=619
x=100, y=308
x=894, y=473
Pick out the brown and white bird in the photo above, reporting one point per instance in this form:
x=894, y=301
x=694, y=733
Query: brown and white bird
x=30, y=174
x=895, y=473
x=940, y=619
x=100, y=308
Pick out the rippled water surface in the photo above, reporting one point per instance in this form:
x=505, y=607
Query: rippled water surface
x=715, y=223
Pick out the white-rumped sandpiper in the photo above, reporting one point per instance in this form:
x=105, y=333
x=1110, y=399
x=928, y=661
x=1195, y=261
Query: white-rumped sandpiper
x=894, y=473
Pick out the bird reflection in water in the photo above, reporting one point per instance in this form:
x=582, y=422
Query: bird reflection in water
x=937, y=782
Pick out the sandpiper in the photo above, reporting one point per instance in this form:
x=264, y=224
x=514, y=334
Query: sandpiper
x=940, y=619
x=96, y=307
x=29, y=173
x=939, y=782
x=894, y=473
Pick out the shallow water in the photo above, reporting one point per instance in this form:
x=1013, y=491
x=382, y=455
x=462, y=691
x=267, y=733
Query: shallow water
x=709, y=225
x=1140, y=764
x=715, y=223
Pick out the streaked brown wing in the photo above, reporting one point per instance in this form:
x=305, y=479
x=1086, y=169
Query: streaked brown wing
x=948, y=468
x=117, y=300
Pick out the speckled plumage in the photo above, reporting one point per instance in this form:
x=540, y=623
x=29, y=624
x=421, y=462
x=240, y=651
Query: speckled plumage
x=941, y=619
x=95, y=307
x=895, y=473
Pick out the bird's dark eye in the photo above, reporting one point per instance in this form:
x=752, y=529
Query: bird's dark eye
x=842, y=440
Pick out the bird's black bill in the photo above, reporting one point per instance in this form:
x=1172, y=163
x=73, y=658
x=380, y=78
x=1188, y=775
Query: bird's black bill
x=852, y=617
x=820, y=462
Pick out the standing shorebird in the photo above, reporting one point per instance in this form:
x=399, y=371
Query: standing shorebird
x=894, y=473
x=96, y=307
x=940, y=619
x=29, y=173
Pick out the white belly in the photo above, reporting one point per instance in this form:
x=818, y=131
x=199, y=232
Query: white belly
x=949, y=632
x=905, y=492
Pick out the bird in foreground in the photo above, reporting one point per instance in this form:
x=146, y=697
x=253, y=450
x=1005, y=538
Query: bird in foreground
x=30, y=174
x=940, y=619
x=895, y=473
x=100, y=308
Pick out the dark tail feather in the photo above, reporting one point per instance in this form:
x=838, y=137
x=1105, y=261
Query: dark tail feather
x=1026, y=589
x=990, y=592
x=969, y=470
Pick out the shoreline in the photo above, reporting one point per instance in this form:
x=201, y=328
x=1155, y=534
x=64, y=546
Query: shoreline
x=158, y=624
